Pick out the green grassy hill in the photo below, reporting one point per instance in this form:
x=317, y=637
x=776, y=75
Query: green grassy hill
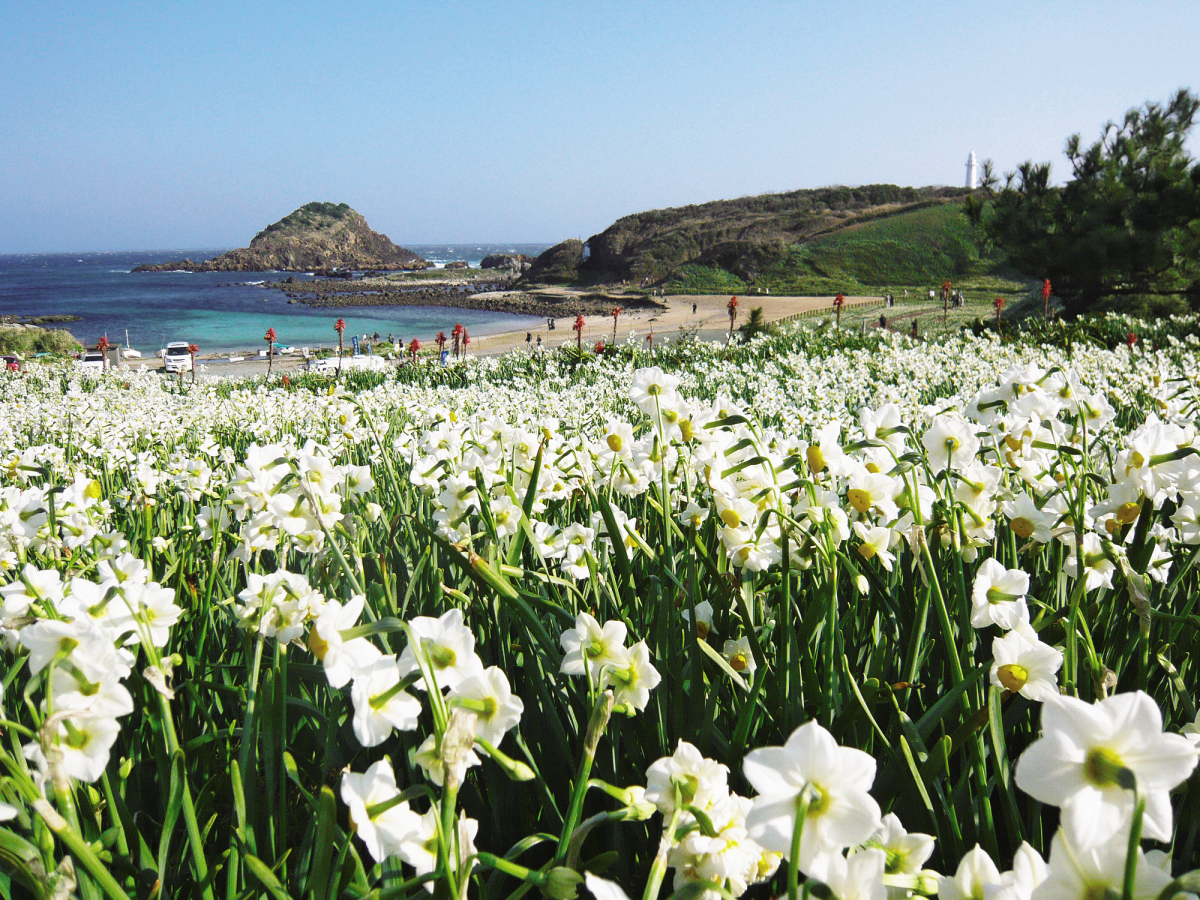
x=914, y=249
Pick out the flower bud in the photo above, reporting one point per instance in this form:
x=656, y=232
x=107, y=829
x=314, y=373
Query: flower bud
x=561, y=884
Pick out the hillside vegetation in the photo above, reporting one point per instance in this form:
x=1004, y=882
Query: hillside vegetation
x=801, y=242
x=912, y=249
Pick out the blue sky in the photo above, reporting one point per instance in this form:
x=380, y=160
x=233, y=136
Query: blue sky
x=161, y=124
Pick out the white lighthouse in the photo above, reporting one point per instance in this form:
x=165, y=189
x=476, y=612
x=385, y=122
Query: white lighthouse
x=972, y=171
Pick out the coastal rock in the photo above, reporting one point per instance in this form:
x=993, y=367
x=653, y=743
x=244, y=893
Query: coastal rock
x=558, y=265
x=317, y=236
x=457, y=264
x=512, y=261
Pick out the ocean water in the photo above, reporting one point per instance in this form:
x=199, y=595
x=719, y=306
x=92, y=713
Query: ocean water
x=218, y=311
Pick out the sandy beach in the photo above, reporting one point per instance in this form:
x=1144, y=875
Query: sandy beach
x=710, y=320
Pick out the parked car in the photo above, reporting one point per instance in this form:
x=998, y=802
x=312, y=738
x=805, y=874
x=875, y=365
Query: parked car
x=9, y=363
x=92, y=360
x=176, y=357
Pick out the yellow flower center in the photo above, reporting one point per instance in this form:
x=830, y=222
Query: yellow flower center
x=1101, y=767
x=615, y=443
x=317, y=644
x=1013, y=677
x=1127, y=513
x=866, y=551
x=859, y=499
x=816, y=459
x=1022, y=527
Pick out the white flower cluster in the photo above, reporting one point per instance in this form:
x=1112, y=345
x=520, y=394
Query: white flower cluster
x=1080, y=764
x=285, y=497
x=80, y=637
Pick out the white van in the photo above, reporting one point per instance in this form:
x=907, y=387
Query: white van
x=176, y=357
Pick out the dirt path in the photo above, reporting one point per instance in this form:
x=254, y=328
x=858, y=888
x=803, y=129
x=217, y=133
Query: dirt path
x=711, y=318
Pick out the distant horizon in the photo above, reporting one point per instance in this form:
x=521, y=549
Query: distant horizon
x=406, y=244
x=425, y=243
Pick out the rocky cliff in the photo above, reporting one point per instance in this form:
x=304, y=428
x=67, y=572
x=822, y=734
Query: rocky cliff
x=316, y=236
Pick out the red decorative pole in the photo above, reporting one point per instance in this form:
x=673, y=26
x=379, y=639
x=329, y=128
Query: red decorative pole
x=616, y=312
x=457, y=335
x=578, y=328
x=731, y=306
x=999, y=304
x=441, y=342
x=838, y=302
x=340, y=327
x=466, y=340
x=192, y=351
x=413, y=347
x=102, y=345
x=269, y=337
x=1046, y=300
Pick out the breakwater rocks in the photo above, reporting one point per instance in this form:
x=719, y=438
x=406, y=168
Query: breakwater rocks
x=37, y=320
x=474, y=296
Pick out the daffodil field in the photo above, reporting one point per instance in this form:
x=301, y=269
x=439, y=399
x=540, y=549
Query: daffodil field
x=822, y=614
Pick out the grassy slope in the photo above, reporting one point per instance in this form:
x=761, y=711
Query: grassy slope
x=914, y=250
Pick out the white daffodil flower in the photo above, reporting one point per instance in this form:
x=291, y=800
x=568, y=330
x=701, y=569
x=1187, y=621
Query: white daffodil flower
x=447, y=647
x=976, y=873
x=1075, y=873
x=998, y=596
x=589, y=646
x=1077, y=761
x=699, y=781
x=380, y=704
x=841, y=812
x=379, y=821
x=488, y=695
x=341, y=659
x=631, y=678
x=1022, y=664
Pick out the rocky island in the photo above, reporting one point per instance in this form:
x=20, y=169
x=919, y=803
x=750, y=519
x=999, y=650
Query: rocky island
x=324, y=236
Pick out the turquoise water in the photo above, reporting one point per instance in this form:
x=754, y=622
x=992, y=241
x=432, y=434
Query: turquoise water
x=218, y=311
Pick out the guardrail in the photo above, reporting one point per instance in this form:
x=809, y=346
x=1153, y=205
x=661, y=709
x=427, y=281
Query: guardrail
x=829, y=311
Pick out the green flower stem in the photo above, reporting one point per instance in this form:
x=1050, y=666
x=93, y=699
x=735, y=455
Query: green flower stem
x=79, y=849
x=1071, y=648
x=598, y=721
x=195, y=841
x=659, y=869
x=793, y=875
x=1135, y=839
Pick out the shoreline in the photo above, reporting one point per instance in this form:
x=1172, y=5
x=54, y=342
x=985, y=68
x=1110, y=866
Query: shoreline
x=499, y=299
x=667, y=320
